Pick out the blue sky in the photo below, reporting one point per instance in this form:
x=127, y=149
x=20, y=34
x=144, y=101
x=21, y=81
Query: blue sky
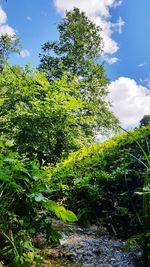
x=126, y=35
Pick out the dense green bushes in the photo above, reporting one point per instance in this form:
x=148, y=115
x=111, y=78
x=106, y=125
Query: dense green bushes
x=110, y=183
x=25, y=208
x=106, y=181
x=40, y=117
x=44, y=119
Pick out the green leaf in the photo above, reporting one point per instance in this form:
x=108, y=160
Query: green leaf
x=70, y=216
x=50, y=205
x=38, y=197
x=60, y=212
x=9, y=143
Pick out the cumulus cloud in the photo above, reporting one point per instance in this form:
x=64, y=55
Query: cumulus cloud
x=4, y=27
x=131, y=101
x=99, y=12
x=24, y=53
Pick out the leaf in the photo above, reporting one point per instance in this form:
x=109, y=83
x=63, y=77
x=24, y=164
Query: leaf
x=65, y=215
x=38, y=197
x=9, y=143
x=60, y=212
x=50, y=205
x=27, y=245
x=70, y=216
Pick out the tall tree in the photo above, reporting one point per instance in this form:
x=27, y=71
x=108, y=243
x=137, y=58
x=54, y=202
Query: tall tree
x=78, y=46
x=76, y=53
x=8, y=44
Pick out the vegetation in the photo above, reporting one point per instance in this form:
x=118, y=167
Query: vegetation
x=8, y=45
x=109, y=182
x=40, y=117
x=46, y=115
x=77, y=53
x=25, y=208
x=78, y=46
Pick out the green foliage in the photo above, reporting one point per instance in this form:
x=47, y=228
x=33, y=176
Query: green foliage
x=8, y=44
x=79, y=44
x=76, y=53
x=41, y=117
x=104, y=180
x=25, y=208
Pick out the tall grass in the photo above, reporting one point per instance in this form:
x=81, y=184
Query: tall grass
x=144, y=220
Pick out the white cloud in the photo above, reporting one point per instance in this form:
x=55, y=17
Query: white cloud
x=111, y=60
x=118, y=3
x=118, y=25
x=93, y=7
x=3, y=16
x=131, y=101
x=99, y=12
x=24, y=53
x=142, y=64
x=4, y=27
x=110, y=46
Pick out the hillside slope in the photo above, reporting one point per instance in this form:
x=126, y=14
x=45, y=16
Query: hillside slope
x=108, y=182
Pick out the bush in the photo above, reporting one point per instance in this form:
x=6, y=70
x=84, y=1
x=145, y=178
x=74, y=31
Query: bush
x=25, y=209
x=106, y=181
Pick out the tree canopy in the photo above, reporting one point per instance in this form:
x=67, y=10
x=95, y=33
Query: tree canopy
x=78, y=46
x=48, y=116
x=40, y=117
x=76, y=53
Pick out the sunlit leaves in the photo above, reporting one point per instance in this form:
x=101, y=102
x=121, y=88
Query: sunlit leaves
x=60, y=211
x=41, y=117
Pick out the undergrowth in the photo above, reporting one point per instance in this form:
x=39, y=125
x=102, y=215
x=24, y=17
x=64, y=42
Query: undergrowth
x=26, y=209
x=110, y=183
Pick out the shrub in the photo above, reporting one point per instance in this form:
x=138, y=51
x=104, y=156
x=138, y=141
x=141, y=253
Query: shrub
x=25, y=209
x=105, y=181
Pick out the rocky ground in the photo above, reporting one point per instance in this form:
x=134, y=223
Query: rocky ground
x=90, y=247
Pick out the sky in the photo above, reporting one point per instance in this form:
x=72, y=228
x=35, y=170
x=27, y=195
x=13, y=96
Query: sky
x=126, y=35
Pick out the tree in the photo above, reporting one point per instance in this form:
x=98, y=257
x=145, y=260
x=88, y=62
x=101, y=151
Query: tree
x=145, y=120
x=41, y=118
x=8, y=44
x=79, y=44
x=76, y=53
